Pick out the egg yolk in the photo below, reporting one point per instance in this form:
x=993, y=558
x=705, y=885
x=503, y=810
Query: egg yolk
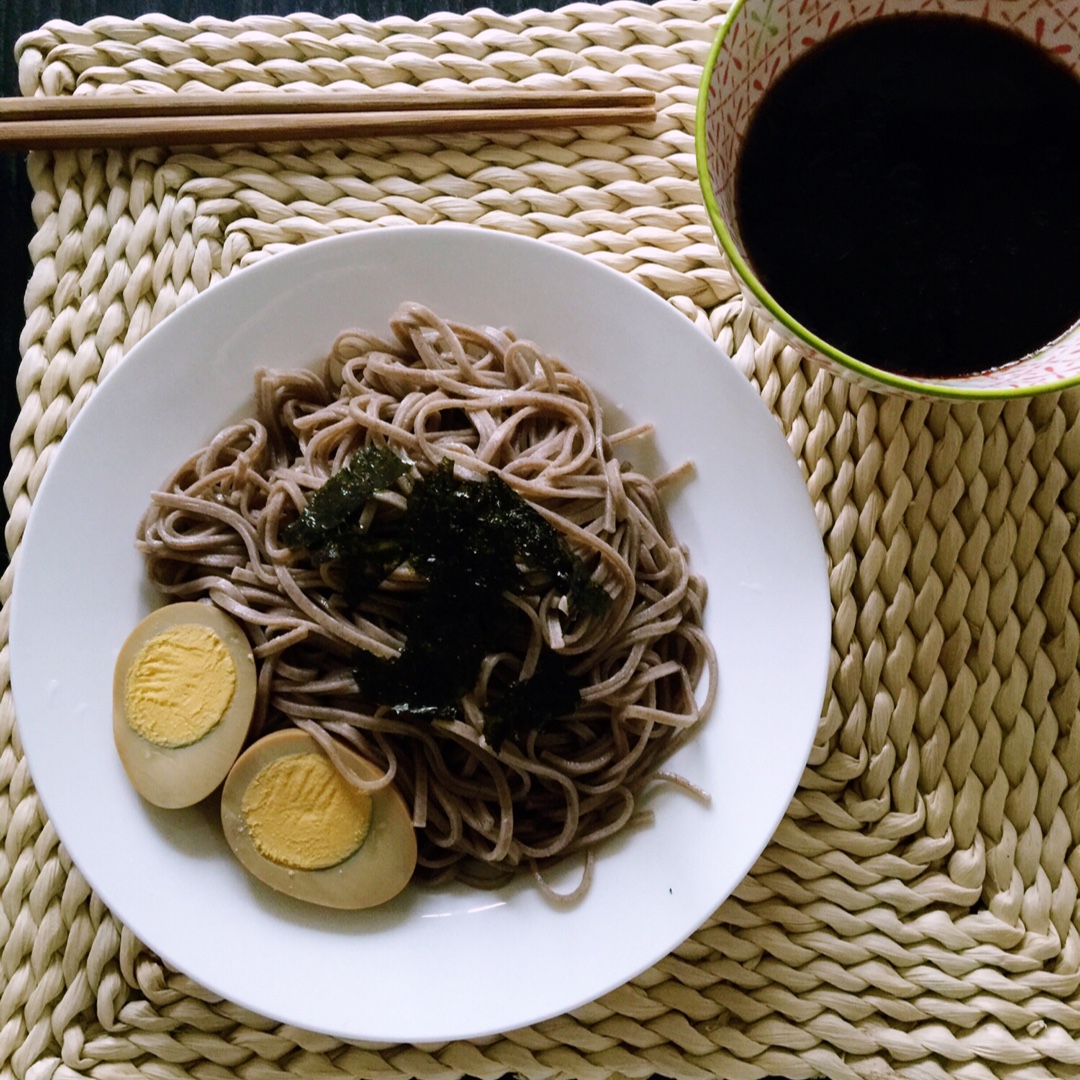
x=301, y=813
x=179, y=686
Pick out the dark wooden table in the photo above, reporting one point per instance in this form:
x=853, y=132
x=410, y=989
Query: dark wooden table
x=16, y=225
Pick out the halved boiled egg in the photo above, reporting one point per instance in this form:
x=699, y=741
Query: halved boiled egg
x=183, y=699
x=298, y=825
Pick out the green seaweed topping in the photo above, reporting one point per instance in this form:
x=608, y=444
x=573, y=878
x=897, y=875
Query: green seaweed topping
x=327, y=528
x=532, y=704
x=472, y=542
x=332, y=511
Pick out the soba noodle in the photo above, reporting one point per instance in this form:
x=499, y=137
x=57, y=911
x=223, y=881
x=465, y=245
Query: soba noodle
x=489, y=404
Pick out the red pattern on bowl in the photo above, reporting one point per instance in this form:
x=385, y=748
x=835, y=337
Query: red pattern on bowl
x=759, y=40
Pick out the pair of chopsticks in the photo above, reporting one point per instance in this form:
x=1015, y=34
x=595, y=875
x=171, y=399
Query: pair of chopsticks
x=111, y=120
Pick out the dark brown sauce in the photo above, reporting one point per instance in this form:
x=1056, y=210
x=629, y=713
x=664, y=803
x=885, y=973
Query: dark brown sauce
x=909, y=190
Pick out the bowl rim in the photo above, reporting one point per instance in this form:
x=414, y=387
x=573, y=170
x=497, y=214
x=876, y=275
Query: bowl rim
x=938, y=388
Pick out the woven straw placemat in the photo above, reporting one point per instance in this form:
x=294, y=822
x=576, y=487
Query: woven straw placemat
x=916, y=912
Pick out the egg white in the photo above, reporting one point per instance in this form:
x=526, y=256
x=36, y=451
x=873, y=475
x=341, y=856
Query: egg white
x=373, y=874
x=175, y=777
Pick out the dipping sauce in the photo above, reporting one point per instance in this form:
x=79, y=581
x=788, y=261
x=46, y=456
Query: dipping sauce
x=909, y=190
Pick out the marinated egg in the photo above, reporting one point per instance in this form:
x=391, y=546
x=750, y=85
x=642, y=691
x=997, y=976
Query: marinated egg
x=183, y=698
x=299, y=826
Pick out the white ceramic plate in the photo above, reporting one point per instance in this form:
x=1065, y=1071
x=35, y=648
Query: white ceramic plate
x=433, y=965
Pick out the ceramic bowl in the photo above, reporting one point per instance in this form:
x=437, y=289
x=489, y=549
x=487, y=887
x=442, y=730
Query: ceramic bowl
x=758, y=41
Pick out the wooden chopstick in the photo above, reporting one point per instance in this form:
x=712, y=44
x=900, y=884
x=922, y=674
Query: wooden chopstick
x=189, y=119
x=237, y=103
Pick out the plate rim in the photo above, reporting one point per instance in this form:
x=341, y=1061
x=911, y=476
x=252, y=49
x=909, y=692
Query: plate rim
x=269, y=267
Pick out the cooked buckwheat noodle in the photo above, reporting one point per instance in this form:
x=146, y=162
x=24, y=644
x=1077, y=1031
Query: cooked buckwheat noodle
x=490, y=404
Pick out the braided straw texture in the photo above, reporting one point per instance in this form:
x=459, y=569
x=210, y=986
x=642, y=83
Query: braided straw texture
x=915, y=914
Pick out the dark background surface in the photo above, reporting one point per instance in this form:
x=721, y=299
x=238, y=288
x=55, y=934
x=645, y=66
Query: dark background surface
x=18, y=17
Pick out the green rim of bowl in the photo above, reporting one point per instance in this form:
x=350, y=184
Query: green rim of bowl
x=885, y=378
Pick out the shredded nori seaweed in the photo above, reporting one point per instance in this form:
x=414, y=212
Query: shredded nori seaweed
x=471, y=541
x=327, y=526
